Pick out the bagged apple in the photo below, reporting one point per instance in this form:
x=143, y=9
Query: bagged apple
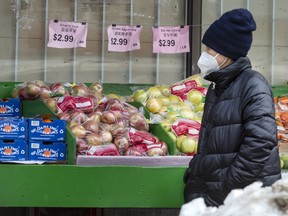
x=58, y=89
x=186, y=127
x=141, y=137
x=183, y=88
x=103, y=150
x=81, y=146
x=79, y=89
x=122, y=143
x=68, y=103
x=31, y=90
x=157, y=149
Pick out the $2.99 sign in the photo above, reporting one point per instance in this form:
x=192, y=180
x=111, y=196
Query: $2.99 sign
x=171, y=39
x=123, y=38
x=67, y=34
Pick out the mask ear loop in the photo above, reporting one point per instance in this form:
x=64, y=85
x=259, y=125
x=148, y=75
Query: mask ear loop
x=222, y=63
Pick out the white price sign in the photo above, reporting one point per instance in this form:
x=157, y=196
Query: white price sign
x=67, y=34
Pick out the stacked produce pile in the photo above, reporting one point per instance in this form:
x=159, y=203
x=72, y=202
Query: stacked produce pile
x=281, y=114
x=178, y=108
x=281, y=110
x=102, y=125
x=252, y=200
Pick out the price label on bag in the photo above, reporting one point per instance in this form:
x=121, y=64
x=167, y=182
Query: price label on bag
x=171, y=39
x=123, y=38
x=67, y=34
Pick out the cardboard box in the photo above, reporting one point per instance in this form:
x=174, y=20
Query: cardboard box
x=13, y=128
x=13, y=150
x=10, y=107
x=46, y=131
x=46, y=151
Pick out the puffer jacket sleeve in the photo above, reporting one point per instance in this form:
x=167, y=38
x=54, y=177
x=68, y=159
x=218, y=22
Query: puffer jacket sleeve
x=259, y=134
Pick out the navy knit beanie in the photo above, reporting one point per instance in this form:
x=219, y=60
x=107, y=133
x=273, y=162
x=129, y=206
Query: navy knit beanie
x=231, y=34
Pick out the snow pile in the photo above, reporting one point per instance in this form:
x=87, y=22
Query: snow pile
x=252, y=200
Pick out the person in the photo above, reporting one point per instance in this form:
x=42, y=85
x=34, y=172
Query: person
x=238, y=137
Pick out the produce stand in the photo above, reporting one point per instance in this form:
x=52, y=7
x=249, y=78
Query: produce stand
x=74, y=185
x=71, y=185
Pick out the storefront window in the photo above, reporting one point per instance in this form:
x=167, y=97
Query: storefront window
x=24, y=34
x=24, y=54
x=269, y=50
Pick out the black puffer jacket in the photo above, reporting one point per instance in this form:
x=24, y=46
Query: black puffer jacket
x=238, y=136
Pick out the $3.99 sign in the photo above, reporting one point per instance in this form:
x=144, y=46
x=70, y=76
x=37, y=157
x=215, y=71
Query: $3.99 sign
x=123, y=38
x=171, y=39
x=67, y=34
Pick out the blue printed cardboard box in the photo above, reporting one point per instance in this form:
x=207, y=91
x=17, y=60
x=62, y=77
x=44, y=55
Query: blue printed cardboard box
x=40, y=129
x=13, y=150
x=46, y=151
x=10, y=107
x=13, y=128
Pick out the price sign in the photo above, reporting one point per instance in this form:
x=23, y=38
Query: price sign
x=171, y=39
x=123, y=38
x=67, y=34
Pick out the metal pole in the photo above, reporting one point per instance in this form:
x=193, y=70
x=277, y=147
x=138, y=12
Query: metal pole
x=103, y=40
x=248, y=4
x=222, y=7
x=273, y=43
x=16, y=42
x=46, y=39
x=74, y=49
x=130, y=53
x=185, y=55
x=194, y=20
x=158, y=56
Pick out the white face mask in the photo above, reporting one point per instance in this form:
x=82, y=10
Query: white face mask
x=208, y=63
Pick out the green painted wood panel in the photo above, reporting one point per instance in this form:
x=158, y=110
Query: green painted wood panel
x=78, y=186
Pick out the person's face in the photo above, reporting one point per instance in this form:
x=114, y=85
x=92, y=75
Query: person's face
x=222, y=60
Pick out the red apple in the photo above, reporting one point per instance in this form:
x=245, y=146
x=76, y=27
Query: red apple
x=108, y=117
x=94, y=139
x=40, y=83
x=81, y=146
x=106, y=136
x=79, y=90
x=45, y=93
x=117, y=130
x=138, y=121
x=78, y=131
x=122, y=144
x=64, y=116
x=78, y=116
x=33, y=89
x=58, y=89
x=23, y=95
x=96, y=87
x=91, y=126
x=52, y=103
x=94, y=116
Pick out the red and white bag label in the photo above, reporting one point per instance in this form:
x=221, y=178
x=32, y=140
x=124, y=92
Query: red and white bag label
x=67, y=34
x=171, y=39
x=123, y=38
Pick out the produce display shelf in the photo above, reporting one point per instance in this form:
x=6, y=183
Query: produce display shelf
x=82, y=185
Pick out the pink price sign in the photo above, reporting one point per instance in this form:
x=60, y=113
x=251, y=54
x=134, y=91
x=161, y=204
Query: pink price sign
x=123, y=38
x=171, y=39
x=67, y=34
